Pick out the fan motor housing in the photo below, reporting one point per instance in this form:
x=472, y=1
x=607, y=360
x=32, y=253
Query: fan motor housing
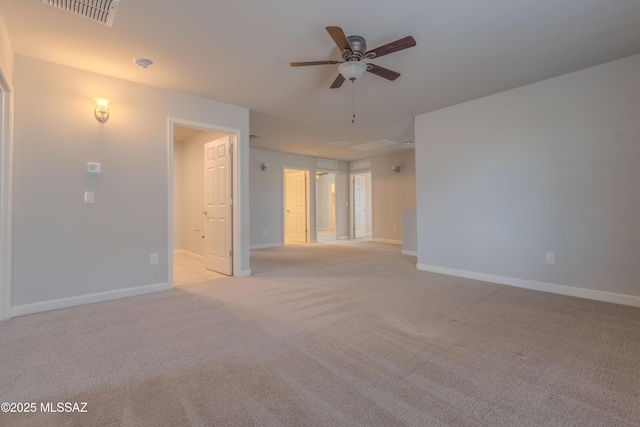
x=358, y=48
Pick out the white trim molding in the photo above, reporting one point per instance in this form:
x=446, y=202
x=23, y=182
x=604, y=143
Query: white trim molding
x=188, y=253
x=537, y=286
x=407, y=252
x=56, y=304
x=266, y=246
x=393, y=242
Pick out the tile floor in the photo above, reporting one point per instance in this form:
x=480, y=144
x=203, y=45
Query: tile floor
x=187, y=269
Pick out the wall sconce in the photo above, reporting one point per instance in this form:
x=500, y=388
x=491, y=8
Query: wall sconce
x=395, y=168
x=264, y=166
x=102, y=109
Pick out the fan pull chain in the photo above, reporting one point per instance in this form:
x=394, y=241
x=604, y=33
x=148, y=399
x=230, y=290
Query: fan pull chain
x=353, y=101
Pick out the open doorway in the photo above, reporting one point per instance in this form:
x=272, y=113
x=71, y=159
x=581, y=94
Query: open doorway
x=326, y=206
x=296, y=206
x=361, y=203
x=202, y=204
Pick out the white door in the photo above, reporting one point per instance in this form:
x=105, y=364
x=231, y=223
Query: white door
x=217, y=209
x=359, y=206
x=296, y=206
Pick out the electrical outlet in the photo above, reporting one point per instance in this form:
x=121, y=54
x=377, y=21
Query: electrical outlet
x=153, y=258
x=551, y=258
x=395, y=228
x=264, y=232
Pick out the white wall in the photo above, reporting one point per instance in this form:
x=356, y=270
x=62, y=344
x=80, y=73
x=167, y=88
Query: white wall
x=66, y=250
x=392, y=193
x=6, y=154
x=409, y=232
x=267, y=198
x=6, y=54
x=548, y=167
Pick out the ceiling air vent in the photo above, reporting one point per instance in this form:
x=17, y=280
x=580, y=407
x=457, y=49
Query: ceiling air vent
x=102, y=11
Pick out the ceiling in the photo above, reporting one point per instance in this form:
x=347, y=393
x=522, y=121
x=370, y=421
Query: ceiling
x=239, y=52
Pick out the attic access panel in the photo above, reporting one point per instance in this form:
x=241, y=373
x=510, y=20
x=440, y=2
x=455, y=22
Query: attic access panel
x=102, y=11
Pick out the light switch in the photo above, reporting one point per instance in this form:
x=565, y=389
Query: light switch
x=88, y=196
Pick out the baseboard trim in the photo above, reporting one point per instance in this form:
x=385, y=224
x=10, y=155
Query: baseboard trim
x=38, y=307
x=266, y=246
x=537, y=286
x=189, y=254
x=244, y=273
x=393, y=242
x=192, y=255
x=407, y=252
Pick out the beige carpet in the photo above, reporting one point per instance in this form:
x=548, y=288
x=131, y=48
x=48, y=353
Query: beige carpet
x=329, y=335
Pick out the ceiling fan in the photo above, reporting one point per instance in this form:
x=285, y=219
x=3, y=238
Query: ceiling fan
x=354, y=50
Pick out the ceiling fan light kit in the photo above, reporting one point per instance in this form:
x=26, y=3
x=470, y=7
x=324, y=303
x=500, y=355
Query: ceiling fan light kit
x=352, y=70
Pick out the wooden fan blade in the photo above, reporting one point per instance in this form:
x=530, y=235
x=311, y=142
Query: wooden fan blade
x=388, y=48
x=337, y=82
x=382, y=72
x=304, y=64
x=338, y=36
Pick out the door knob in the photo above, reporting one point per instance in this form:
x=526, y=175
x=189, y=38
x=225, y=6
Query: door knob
x=204, y=212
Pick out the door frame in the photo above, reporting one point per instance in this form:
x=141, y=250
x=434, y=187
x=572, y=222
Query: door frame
x=307, y=203
x=352, y=213
x=234, y=134
x=6, y=194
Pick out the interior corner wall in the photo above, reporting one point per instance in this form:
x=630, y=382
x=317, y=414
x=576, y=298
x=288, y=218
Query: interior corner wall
x=548, y=167
x=6, y=170
x=392, y=193
x=267, y=195
x=6, y=54
x=65, y=250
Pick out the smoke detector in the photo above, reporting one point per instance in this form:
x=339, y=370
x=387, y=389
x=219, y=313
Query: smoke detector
x=142, y=63
x=102, y=11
